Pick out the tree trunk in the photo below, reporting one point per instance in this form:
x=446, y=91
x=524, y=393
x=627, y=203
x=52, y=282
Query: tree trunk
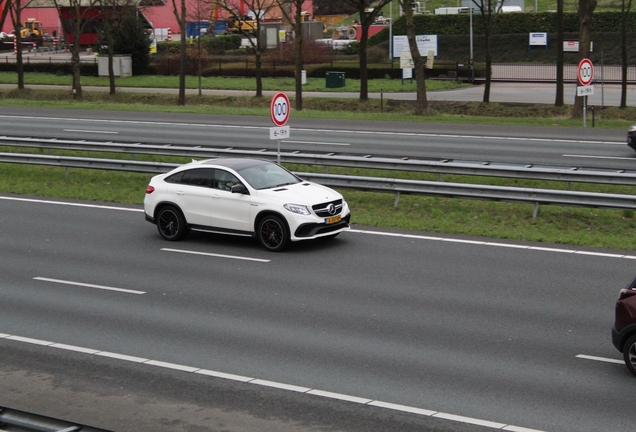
x=420, y=76
x=625, y=12
x=559, y=98
x=298, y=51
x=364, y=71
x=18, y=36
x=111, y=53
x=183, y=57
x=586, y=8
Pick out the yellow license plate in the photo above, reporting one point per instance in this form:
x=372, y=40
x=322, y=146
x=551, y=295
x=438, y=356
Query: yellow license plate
x=333, y=220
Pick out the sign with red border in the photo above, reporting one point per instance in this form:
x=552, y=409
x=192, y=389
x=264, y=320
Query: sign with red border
x=279, y=109
x=585, y=72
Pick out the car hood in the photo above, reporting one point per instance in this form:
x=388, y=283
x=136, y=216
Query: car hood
x=305, y=192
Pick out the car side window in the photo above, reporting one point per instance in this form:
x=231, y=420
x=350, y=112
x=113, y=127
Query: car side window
x=224, y=180
x=198, y=177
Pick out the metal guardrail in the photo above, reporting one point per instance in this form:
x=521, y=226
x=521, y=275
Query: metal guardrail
x=489, y=169
x=21, y=421
x=397, y=186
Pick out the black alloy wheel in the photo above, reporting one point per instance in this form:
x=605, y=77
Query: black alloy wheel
x=273, y=233
x=629, y=354
x=171, y=224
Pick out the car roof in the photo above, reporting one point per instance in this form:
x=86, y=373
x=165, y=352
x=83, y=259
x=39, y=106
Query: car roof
x=235, y=163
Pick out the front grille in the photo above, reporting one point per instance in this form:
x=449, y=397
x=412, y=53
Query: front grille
x=321, y=209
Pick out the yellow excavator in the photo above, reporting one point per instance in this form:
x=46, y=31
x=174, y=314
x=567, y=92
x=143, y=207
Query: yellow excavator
x=31, y=28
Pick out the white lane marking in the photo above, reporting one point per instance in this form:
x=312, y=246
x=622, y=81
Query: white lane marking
x=266, y=383
x=87, y=285
x=317, y=142
x=390, y=234
x=599, y=157
x=41, y=201
x=601, y=359
x=336, y=131
x=90, y=131
x=495, y=244
x=215, y=255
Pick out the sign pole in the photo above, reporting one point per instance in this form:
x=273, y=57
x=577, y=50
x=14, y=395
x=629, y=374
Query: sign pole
x=279, y=112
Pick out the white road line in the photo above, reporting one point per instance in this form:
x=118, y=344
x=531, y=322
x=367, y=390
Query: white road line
x=215, y=255
x=357, y=132
x=266, y=383
x=495, y=244
x=42, y=201
x=601, y=359
x=317, y=143
x=381, y=233
x=90, y=131
x=599, y=157
x=102, y=287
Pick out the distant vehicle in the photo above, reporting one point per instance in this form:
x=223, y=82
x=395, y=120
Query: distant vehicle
x=631, y=137
x=624, y=329
x=248, y=197
x=31, y=29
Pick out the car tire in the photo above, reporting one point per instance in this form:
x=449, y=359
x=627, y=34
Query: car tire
x=273, y=233
x=629, y=354
x=171, y=224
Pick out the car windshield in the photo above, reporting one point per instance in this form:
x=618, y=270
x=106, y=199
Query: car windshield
x=267, y=175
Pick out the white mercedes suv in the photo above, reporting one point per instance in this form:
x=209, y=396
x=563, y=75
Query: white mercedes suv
x=250, y=197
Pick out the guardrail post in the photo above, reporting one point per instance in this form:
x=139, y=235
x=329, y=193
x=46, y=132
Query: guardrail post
x=536, y=210
x=397, y=200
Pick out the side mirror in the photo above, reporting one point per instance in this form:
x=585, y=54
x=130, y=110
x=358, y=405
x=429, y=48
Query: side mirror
x=239, y=189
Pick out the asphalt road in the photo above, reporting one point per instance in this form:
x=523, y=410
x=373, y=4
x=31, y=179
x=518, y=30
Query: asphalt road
x=490, y=331
x=563, y=147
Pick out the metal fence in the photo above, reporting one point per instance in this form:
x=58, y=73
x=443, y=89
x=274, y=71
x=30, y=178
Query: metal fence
x=387, y=185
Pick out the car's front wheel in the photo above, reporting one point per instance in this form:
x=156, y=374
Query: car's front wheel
x=629, y=354
x=273, y=233
x=171, y=224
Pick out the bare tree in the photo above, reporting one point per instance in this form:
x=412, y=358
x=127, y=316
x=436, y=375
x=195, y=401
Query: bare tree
x=368, y=11
x=201, y=11
x=418, y=61
x=74, y=22
x=252, y=29
x=15, y=8
x=626, y=5
x=181, y=15
x=488, y=9
x=558, y=100
x=585, y=9
x=295, y=18
x=113, y=11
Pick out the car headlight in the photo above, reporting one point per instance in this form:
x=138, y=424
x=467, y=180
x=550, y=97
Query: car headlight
x=632, y=128
x=298, y=209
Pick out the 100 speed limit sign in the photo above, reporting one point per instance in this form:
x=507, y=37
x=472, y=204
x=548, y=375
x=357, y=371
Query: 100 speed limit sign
x=279, y=109
x=585, y=72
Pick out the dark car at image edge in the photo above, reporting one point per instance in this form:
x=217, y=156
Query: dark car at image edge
x=624, y=329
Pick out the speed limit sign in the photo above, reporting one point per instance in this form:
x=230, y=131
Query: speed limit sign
x=279, y=109
x=585, y=72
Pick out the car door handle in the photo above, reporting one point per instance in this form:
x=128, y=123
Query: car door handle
x=215, y=196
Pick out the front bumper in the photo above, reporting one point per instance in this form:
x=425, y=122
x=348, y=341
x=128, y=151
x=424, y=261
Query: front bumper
x=311, y=230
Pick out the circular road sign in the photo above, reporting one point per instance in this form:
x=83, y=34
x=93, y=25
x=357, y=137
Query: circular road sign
x=585, y=72
x=279, y=109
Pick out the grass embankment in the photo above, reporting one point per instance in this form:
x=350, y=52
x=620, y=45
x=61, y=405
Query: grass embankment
x=574, y=226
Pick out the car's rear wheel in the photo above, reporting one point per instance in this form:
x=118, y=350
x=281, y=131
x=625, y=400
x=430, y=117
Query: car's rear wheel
x=273, y=233
x=629, y=354
x=171, y=224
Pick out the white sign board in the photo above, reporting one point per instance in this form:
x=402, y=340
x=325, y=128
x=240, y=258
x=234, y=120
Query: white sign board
x=281, y=132
x=587, y=90
x=585, y=72
x=573, y=46
x=407, y=73
x=406, y=61
x=280, y=109
x=425, y=43
x=538, y=39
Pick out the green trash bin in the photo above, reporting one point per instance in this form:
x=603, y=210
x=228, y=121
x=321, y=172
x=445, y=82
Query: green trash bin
x=335, y=79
